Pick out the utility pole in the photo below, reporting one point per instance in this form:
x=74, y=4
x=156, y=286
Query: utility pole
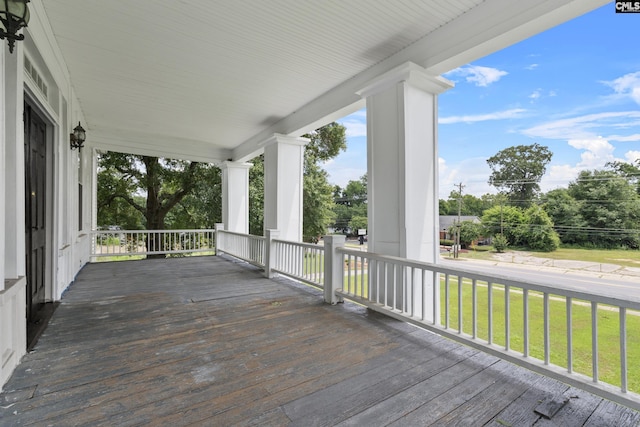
x=459, y=224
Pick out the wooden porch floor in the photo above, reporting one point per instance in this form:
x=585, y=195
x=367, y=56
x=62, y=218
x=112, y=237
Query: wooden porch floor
x=208, y=341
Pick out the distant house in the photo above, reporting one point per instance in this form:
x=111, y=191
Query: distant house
x=447, y=222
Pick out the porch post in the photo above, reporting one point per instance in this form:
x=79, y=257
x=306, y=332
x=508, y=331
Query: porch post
x=219, y=227
x=402, y=164
x=12, y=103
x=270, y=252
x=235, y=196
x=283, y=168
x=333, y=268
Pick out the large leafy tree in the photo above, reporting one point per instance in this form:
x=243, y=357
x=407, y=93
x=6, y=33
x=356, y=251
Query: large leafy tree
x=610, y=207
x=469, y=205
x=538, y=232
x=325, y=144
x=163, y=182
x=505, y=220
x=202, y=207
x=152, y=186
x=517, y=171
x=564, y=212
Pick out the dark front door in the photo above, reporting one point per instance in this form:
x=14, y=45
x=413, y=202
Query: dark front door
x=35, y=153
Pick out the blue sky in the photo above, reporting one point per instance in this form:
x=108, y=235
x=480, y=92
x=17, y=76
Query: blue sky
x=574, y=88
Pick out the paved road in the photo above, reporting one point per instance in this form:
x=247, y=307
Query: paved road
x=612, y=284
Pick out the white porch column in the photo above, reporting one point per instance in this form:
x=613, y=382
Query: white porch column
x=402, y=163
x=283, y=169
x=235, y=196
x=13, y=170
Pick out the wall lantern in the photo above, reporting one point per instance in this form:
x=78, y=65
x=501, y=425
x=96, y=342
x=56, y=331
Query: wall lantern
x=14, y=14
x=77, y=137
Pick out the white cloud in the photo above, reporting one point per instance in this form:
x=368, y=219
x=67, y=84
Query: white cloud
x=583, y=127
x=535, y=95
x=498, y=115
x=632, y=156
x=558, y=176
x=597, y=152
x=355, y=128
x=480, y=76
x=624, y=138
x=532, y=67
x=627, y=86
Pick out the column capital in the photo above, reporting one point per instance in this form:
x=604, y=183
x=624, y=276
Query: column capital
x=409, y=72
x=279, y=138
x=235, y=165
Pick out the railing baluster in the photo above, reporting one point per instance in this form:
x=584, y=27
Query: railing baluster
x=412, y=285
x=355, y=275
x=507, y=319
x=547, y=334
x=435, y=299
x=394, y=285
x=446, y=301
x=490, y=313
x=460, y=280
x=569, y=305
x=474, y=302
x=623, y=349
x=594, y=339
x=525, y=321
x=362, y=281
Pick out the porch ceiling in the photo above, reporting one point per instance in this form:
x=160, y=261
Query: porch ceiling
x=211, y=80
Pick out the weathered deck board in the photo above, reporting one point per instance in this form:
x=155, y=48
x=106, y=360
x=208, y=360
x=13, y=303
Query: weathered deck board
x=208, y=341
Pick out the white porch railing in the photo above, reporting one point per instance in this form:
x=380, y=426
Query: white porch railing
x=301, y=261
x=150, y=242
x=533, y=325
x=246, y=247
x=540, y=327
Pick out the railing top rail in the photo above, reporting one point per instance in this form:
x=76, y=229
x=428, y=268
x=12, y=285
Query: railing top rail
x=249, y=236
x=300, y=244
x=199, y=230
x=630, y=301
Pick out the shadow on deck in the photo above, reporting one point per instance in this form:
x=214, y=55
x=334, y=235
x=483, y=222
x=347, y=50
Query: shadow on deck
x=209, y=341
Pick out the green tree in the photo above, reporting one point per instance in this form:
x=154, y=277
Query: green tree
x=500, y=243
x=517, y=171
x=358, y=222
x=564, y=211
x=538, y=232
x=350, y=202
x=325, y=143
x=505, y=220
x=164, y=182
x=631, y=171
x=256, y=196
x=470, y=231
x=470, y=204
x=202, y=207
x=610, y=207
